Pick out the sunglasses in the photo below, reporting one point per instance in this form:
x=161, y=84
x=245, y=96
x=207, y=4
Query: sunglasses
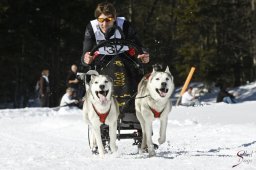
x=101, y=20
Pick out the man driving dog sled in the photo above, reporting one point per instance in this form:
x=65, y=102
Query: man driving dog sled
x=121, y=62
x=117, y=61
x=96, y=30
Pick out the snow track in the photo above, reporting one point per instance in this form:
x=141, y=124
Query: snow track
x=207, y=137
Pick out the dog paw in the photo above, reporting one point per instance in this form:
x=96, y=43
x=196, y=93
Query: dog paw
x=141, y=151
x=95, y=150
x=161, y=141
x=114, y=149
x=102, y=156
x=101, y=153
x=143, y=145
x=151, y=153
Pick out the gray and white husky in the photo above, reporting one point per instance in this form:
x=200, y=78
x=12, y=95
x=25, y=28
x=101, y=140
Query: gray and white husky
x=153, y=101
x=100, y=107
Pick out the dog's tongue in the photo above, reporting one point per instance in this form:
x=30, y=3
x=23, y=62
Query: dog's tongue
x=102, y=98
x=162, y=94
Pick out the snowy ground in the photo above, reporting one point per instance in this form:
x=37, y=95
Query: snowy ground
x=215, y=136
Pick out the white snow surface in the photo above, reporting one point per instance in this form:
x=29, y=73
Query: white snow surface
x=215, y=137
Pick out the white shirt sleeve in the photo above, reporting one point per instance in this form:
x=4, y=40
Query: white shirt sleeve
x=66, y=100
x=186, y=98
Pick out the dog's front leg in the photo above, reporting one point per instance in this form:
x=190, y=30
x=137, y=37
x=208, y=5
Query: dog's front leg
x=142, y=124
x=112, y=135
x=92, y=138
x=148, y=130
x=97, y=134
x=144, y=138
x=85, y=115
x=162, y=133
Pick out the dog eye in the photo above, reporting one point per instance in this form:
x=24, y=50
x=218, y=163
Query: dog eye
x=106, y=81
x=96, y=82
x=167, y=79
x=157, y=79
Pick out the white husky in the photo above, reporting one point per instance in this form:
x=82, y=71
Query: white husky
x=153, y=101
x=101, y=108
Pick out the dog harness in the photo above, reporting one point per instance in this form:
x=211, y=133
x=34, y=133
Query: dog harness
x=156, y=113
x=102, y=116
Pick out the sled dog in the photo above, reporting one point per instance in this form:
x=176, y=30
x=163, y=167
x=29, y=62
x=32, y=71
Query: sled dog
x=100, y=107
x=153, y=101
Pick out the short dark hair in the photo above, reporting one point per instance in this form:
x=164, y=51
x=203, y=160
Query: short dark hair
x=44, y=71
x=105, y=8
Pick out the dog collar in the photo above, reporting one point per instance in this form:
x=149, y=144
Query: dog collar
x=156, y=113
x=102, y=116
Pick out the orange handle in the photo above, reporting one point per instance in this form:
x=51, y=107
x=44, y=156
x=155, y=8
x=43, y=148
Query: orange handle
x=185, y=86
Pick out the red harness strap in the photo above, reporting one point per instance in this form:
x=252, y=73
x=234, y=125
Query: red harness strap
x=102, y=116
x=156, y=113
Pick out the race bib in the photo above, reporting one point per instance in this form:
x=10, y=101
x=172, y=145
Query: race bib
x=112, y=50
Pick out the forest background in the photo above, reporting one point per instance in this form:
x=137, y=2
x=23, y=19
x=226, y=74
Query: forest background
x=218, y=37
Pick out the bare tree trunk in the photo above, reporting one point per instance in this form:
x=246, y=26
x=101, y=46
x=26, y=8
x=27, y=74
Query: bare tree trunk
x=130, y=11
x=150, y=13
x=55, y=64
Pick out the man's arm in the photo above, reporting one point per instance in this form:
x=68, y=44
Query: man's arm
x=41, y=86
x=89, y=39
x=89, y=42
x=71, y=78
x=131, y=34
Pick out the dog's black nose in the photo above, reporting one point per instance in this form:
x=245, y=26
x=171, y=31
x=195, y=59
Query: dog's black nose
x=102, y=87
x=163, y=84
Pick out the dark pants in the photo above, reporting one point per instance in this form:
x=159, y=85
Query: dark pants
x=229, y=100
x=44, y=101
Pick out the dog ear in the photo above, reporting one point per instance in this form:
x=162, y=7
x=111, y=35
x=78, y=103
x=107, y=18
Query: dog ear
x=167, y=70
x=92, y=72
x=87, y=87
x=110, y=78
x=153, y=71
x=92, y=77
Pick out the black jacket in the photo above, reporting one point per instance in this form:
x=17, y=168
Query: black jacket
x=223, y=93
x=44, y=87
x=71, y=76
x=90, y=41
